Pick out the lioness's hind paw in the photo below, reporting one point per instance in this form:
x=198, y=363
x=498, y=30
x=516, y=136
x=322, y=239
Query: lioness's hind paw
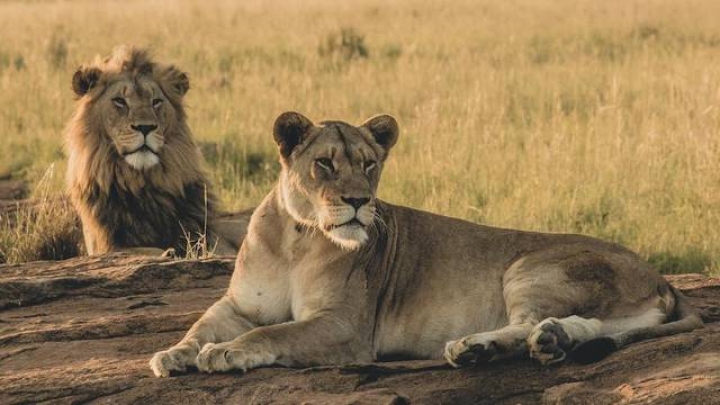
x=549, y=342
x=462, y=352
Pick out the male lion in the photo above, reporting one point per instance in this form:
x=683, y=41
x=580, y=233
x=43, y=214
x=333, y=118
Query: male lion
x=328, y=274
x=134, y=173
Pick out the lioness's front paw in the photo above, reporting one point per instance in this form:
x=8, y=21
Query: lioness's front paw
x=469, y=350
x=213, y=357
x=227, y=356
x=549, y=342
x=174, y=359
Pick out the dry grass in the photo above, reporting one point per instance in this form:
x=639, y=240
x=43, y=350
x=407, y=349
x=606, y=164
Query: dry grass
x=47, y=229
x=563, y=116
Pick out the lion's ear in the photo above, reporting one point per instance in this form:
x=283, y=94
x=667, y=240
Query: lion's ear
x=384, y=129
x=174, y=81
x=290, y=130
x=84, y=80
x=182, y=83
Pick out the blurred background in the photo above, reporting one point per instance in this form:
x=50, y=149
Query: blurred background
x=595, y=117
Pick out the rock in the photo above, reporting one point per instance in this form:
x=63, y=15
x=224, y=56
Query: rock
x=83, y=330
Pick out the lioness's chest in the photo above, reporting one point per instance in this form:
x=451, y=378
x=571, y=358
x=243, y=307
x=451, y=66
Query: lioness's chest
x=278, y=282
x=261, y=289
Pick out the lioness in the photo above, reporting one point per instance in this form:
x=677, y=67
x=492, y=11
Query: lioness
x=328, y=274
x=134, y=172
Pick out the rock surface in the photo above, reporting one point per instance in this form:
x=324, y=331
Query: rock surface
x=83, y=330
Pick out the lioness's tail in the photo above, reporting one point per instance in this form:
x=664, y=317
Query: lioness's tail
x=687, y=319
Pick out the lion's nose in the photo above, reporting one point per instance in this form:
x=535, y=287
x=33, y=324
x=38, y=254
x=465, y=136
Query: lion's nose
x=145, y=129
x=356, y=202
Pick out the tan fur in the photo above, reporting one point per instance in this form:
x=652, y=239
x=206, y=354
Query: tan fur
x=408, y=284
x=144, y=192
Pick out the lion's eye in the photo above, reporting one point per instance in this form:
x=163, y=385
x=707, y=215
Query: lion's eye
x=157, y=103
x=325, y=163
x=119, y=102
x=369, y=165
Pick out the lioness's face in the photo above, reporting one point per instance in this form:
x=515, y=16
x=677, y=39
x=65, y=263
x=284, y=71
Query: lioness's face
x=135, y=114
x=331, y=172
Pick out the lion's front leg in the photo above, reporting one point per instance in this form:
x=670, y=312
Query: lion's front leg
x=220, y=323
x=317, y=341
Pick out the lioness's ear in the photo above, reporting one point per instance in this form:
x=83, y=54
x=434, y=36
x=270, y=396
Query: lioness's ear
x=84, y=80
x=174, y=81
x=289, y=131
x=384, y=129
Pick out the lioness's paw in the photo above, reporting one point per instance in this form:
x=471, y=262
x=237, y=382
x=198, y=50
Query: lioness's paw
x=548, y=342
x=229, y=355
x=214, y=357
x=174, y=359
x=469, y=350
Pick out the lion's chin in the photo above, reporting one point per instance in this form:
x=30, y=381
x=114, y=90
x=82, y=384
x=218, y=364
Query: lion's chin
x=348, y=237
x=142, y=160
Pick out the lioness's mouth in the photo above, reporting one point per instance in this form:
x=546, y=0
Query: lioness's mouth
x=353, y=221
x=141, y=149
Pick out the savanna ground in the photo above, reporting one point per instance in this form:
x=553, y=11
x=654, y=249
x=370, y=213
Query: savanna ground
x=564, y=116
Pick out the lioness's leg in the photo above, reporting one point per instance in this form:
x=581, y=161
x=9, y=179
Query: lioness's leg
x=220, y=323
x=528, y=299
x=488, y=346
x=323, y=339
x=616, y=332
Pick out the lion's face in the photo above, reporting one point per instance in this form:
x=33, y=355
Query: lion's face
x=331, y=173
x=135, y=116
x=135, y=104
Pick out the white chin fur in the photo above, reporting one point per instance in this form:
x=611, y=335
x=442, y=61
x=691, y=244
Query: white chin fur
x=349, y=237
x=142, y=160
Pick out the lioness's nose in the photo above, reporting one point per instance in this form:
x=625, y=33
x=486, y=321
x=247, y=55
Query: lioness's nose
x=356, y=202
x=145, y=129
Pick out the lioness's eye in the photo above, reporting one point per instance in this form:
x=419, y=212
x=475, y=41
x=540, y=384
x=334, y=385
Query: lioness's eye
x=325, y=163
x=369, y=165
x=157, y=103
x=119, y=102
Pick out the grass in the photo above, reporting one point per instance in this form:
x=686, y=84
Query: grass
x=560, y=116
x=48, y=230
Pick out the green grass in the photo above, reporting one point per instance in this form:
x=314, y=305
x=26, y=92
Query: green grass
x=561, y=116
